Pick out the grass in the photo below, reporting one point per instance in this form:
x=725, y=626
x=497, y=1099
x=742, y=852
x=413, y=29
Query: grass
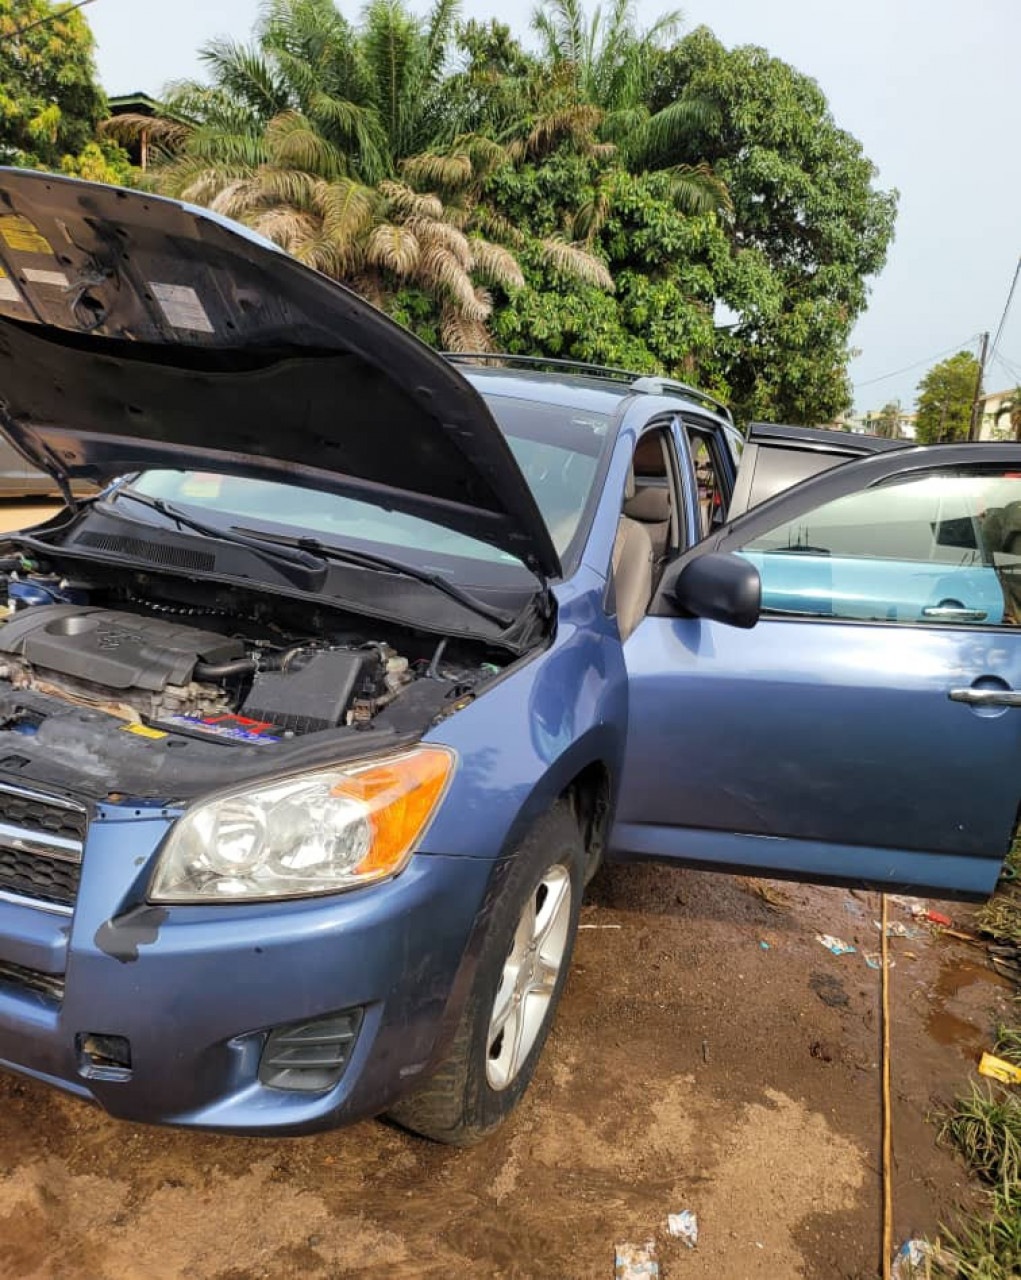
x=1008, y=1043
x=1000, y=917
x=986, y=1246
x=986, y=1129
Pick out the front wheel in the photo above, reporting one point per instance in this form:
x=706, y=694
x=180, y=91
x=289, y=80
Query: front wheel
x=518, y=984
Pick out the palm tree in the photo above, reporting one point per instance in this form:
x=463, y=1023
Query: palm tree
x=598, y=71
x=336, y=142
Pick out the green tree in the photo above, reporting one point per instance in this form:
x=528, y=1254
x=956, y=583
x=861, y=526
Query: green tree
x=945, y=399
x=809, y=225
x=337, y=142
x=50, y=101
x=888, y=423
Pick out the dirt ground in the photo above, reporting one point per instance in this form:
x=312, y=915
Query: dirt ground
x=689, y=1068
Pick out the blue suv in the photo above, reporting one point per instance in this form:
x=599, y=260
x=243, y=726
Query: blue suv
x=316, y=721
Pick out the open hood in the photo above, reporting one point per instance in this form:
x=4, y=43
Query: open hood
x=139, y=332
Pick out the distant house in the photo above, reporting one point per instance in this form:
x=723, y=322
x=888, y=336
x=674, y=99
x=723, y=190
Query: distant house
x=136, y=104
x=869, y=423
x=994, y=425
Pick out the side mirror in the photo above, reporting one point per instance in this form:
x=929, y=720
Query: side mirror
x=722, y=587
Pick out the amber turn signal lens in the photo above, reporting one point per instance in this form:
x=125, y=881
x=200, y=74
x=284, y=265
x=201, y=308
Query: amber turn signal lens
x=399, y=797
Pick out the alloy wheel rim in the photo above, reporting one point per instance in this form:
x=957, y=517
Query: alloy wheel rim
x=529, y=977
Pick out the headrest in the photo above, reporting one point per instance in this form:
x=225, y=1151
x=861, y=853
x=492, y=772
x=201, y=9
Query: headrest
x=649, y=505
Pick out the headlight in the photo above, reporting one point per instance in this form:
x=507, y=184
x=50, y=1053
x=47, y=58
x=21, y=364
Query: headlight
x=314, y=833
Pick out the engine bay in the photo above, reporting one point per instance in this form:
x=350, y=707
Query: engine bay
x=186, y=664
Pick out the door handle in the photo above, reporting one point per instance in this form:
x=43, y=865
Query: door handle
x=987, y=697
x=954, y=613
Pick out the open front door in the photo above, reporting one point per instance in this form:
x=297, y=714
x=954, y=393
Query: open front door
x=868, y=729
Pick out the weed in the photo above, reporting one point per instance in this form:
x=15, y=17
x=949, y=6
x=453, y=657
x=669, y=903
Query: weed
x=986, y=1129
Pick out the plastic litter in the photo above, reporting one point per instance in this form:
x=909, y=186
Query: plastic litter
x=898, y=929
x=600, y=926
x=635, y=1261
x=874, y=960
x=764, y=946
x=909, y=1260
x=915, y=906
x=684, y=1226
x=837, y=945
x=937, y=917
x=998, y=1069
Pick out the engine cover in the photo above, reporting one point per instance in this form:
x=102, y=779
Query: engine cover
x=122, y=651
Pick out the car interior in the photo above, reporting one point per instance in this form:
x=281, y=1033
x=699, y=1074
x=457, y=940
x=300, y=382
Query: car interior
x=647, y=531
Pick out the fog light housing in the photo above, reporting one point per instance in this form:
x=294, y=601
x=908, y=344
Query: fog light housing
x=102, y=1056
x=310, y=1057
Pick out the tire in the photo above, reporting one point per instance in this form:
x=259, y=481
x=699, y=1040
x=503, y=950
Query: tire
x=481, y=1080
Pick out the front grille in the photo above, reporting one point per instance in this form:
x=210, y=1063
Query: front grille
x=142, y=549
x=24, y=809
x=31, y=875
x=41, y=841
x=44, y=984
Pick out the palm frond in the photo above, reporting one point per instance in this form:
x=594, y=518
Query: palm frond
x=130, y=127
x=461, y=334
x=495, y=263
x=430, y=168
x=576, y=263
x=439, y=31
x=292, y=141
x=674, y=130
x=348, y=209
x=578, y=121
x=394, y=248
x=430, y=232
x=497, y=226
x=411, y=204
x=246, y=73
x=286, y=227
x=696, y=189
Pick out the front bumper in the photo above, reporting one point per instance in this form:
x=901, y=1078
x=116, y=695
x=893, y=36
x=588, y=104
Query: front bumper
x=195, y=991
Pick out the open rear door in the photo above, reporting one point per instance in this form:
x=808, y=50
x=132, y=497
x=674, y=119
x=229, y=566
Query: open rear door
x=777, y=457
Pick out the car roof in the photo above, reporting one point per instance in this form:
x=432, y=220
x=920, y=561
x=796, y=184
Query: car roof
x=539, y=378
x=572, y=391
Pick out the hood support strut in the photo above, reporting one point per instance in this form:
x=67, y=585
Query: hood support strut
x=41, y=458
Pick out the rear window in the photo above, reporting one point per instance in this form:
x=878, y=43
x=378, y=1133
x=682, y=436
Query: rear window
x=779, y=469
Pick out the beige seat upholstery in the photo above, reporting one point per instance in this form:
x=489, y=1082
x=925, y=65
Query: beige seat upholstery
x=650, y=506
x=632, y=569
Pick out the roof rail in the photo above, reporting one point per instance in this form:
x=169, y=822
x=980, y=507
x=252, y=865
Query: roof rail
x=638, y=382
x=654, y=386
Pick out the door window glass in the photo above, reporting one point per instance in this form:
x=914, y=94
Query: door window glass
x=710, y=493
x=944, y=547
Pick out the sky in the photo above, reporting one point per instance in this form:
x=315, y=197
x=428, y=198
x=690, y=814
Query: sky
x=929, y=87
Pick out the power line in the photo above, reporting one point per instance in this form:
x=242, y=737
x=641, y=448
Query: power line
x=1009, y=367
x=47, y=17
x=918, y=363
x=1006, y=308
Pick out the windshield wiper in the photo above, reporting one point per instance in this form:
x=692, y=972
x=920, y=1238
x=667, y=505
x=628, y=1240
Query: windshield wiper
x=366, y=560
x=305, y=570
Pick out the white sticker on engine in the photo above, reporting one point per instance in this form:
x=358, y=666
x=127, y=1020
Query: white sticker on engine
x=56, y=278
x=8, y=291
x=181, y=306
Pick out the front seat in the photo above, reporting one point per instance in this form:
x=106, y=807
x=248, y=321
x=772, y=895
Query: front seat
x=632, y=568
x=650, y=506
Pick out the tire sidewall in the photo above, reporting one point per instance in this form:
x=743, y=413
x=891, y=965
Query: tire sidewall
x=555, y=839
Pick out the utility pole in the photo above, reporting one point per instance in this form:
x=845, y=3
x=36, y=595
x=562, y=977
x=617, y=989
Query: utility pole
x=976, y=400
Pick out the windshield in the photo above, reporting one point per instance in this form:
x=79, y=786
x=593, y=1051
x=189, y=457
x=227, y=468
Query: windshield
x=557, y=447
